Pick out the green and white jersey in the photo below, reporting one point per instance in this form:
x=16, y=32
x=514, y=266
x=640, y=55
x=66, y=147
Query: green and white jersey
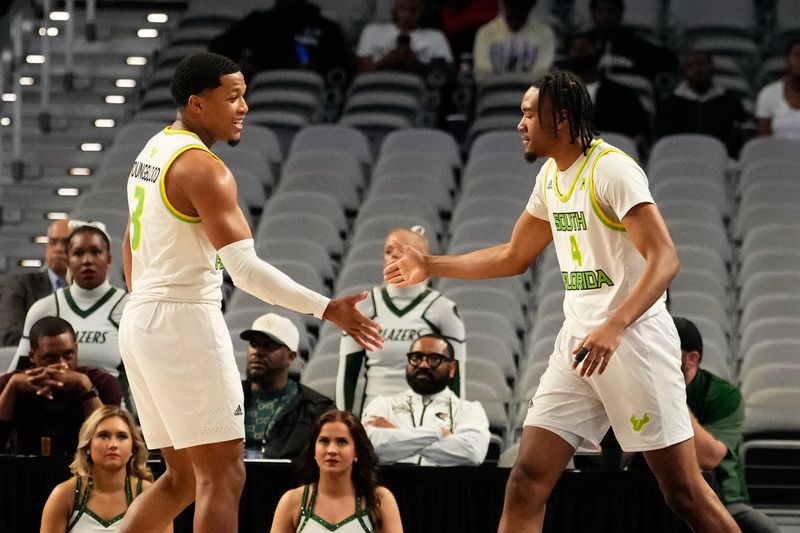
x=172, y=256
x=94, y=315
x=584, y=205
x=404, y=314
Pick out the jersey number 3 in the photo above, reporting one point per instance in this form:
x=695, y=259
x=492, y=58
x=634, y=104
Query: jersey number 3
x=136, y=223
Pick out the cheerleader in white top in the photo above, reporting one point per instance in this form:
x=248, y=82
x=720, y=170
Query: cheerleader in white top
x=90, y=304
x=617, y=358
x=109, y=470
x=404, y=315
x=340, y=491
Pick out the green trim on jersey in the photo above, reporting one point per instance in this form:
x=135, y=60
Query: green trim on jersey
x=616, y=226
x=85, y=313
x=565, y=197
x=400, y=312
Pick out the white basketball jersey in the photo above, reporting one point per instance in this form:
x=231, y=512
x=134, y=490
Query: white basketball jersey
x=386, y=368
x=584, y=205
x=172, y=256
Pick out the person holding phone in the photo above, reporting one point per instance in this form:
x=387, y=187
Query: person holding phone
x=402, y=44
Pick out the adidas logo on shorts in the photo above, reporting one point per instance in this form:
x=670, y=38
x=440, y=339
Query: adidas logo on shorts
x=238, y=411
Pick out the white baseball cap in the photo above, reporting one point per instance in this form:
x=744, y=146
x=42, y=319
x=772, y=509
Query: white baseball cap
x=277, y=327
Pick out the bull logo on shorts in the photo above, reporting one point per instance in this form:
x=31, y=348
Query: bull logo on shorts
x=639, y=423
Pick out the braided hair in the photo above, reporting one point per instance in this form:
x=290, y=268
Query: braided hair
x=567, y=94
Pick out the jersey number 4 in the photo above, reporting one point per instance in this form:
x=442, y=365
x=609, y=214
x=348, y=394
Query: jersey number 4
x=576, y=251
x=136, y=223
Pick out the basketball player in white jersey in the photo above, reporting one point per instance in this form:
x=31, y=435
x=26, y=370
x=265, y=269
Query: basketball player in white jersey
x=185, y=226
x=617, y=358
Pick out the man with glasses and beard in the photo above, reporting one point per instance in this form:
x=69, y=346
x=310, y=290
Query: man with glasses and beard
x=279, y=413
x=428, y=424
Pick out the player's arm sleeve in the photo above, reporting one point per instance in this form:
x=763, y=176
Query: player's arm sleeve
x=468, y=443
x=620, y=184
x=537, y=206
x=264, y=281
x=395, y=444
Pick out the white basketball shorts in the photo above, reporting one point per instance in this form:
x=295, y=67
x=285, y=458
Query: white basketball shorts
x=641, y=394
x=179, y=361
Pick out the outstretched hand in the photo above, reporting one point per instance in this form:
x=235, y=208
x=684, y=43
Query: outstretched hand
x=344, y=314
x=408, y=270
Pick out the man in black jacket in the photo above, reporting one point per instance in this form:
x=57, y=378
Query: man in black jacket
x=279, y=412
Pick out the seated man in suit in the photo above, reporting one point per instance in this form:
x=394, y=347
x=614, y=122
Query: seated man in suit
x=20, y=291
x=428, y=424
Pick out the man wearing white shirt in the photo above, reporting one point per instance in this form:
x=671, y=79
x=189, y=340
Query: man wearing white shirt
x=402, y=44
x=428, y=424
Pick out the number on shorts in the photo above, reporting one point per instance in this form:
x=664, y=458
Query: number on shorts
x=576, y=251
x=138, y=194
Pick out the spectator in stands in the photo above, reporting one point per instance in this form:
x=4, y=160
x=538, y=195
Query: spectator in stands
x=461, y=20
x=278, y=412
x=20, y=291
x=427, y=424
x=108, y=471
x=622, y=49
x=716, y=409
x=293, y=34
x=699, y=105
x=403, y=44
x=617, y=108
x=91, y=305
x=778, y=103
x=42, y=408
x=339, y=470
x=517, y=40
x=404, y=315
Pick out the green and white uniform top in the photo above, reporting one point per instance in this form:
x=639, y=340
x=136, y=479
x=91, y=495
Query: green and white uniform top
x=584, y=205
x=94, y=315
x=358, y=522
x=173, y=260
x=84, y=520
x=404, y=314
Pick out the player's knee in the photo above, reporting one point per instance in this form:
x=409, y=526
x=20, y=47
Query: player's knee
x=524, y=481
x=179, y=484
x=230, y=475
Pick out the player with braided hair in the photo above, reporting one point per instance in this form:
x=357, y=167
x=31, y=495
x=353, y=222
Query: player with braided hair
x=617, y=358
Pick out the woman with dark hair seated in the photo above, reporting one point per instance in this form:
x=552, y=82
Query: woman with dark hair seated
x=340, y=491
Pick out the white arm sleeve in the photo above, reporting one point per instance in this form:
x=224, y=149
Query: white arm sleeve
x=266, y=282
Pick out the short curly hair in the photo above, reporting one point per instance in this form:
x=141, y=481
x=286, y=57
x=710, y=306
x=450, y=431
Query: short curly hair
x=197, y=73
